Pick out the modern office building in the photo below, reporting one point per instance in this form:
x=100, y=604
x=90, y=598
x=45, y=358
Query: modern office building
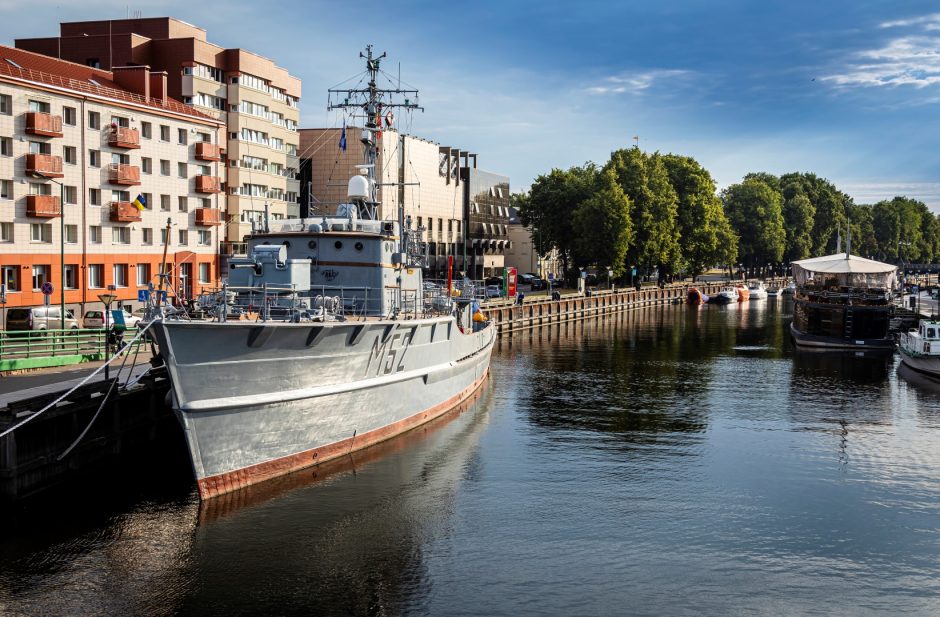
x=97, y=140
x=256, y=100
x=464, y=210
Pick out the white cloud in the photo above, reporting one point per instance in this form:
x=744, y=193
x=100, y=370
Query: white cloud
x=905, y=61
x=641, y=81
x=930, y=22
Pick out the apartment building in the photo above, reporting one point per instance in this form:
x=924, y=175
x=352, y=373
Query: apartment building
x=97, y=140
x=255, y=99
x=464, y=210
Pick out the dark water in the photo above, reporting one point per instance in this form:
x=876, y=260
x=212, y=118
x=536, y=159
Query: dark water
x=674, y=461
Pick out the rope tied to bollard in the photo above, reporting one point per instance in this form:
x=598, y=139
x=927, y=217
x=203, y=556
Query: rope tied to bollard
x=35, y=415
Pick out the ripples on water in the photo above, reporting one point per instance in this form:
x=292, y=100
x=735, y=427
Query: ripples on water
x=671, y=461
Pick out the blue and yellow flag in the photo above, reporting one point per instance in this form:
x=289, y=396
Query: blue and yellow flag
x=140, y=203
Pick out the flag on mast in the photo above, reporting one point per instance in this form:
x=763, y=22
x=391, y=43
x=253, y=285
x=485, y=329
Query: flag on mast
x=140, y=203
x=342, y=137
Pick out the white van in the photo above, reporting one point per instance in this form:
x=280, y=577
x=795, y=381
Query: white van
x=40, y=318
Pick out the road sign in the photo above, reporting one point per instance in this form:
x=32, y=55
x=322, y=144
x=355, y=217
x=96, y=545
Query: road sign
x=143, y=295
x=47, y=288
x=551, y=276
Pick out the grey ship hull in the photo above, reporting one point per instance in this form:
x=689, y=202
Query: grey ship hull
x=258, y=400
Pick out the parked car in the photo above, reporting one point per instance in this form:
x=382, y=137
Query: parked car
x=93, y=319
x=40, y=318
x=493, y=291
x=130, y=320
x=539, y=284
x=526, y=279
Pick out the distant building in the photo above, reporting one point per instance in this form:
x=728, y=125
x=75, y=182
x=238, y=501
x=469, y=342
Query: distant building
x=464, y=210
x=523, y=251
x=256, y=100
x=107, y=138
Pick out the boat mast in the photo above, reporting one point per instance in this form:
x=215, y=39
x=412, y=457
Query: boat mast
x=371, y=104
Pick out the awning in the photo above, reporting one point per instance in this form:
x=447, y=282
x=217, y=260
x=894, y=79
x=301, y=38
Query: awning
x=847, y=270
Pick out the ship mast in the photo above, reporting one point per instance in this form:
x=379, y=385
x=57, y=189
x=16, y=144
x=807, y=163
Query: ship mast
x=374, y=106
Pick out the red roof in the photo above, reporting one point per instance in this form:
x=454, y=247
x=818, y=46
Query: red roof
x=61, y=73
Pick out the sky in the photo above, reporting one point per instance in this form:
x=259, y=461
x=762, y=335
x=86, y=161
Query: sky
x=846, y=90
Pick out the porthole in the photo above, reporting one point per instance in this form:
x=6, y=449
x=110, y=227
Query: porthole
x=358, y=246
x=338, y=245
x=312, y=244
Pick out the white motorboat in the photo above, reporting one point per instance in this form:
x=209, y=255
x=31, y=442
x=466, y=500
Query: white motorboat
x=920, y=348
x=757, y=290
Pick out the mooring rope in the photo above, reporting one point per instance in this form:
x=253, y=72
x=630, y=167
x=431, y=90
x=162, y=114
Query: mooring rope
x=76, y=387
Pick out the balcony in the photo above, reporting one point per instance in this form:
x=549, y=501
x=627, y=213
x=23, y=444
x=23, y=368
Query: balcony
x=124, y=212
x=46, y=125
x=43, y=206
x=123, y=137
x=208, y=217
x=126, y=175
x=208, y=184
x=208, y=152
x=48, y=165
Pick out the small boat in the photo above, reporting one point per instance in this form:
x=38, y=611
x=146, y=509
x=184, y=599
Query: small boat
x=727, y=295
x=695, y=297
x=920, y=348
x=790, y=289
x=757, y=290
x=744, y=294
x=775, y=293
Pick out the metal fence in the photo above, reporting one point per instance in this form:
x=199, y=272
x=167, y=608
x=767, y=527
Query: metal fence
x=45, y=348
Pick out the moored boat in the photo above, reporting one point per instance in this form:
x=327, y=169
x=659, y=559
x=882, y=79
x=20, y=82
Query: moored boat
x=757, y=290
x=726, y=295
x=843, y=301
x=920, y=348
x=695, y=297
x=744, y=294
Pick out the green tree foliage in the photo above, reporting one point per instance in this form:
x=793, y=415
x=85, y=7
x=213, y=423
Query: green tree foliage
x=603, y=227
x=861, y=223
x=644, y=180
x=905, y=230
x=705, y=235
x=828, y=202
x=755, y=212
x=798, y=216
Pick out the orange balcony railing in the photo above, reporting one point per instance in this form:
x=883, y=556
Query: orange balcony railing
x=123, y=174
x=208, y=217
x=47, y=125
x=43, y=206
x=48, y=165
x=124, y=212
x=208, y=152
x=208, y=184
x=123, y=137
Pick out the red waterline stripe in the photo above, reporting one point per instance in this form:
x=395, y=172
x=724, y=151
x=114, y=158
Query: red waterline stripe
x=240, y=478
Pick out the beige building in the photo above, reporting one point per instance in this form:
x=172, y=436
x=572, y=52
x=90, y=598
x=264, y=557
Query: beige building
x=256, y=100
x=98, y=141
x=464, y=210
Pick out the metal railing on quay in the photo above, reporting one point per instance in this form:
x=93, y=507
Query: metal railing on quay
x=36, y=344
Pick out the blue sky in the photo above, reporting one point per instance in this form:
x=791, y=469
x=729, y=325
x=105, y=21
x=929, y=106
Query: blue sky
x=848, y=90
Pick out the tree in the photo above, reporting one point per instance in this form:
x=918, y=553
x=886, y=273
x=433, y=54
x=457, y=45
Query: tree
x=705, y=235
x=828, y=202
x=798, y=216
x=656, y=231
x=861, y=223
x=603, y=227
x=755, y=212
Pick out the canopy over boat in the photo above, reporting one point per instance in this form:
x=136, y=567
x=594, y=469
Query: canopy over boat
x=848, y=270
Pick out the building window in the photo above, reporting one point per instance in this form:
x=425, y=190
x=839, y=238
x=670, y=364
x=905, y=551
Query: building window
x=181, y=170
x=164, y=133
x=183, y=204
x=181, y=136
x=120, y=235
x=203, y=170
x=119, y=272
x=184, y=237
x=163, y=237
x=6, y=189
x=40, y=189
x=94, y=120
x=148, y=235
x=94, y=197
x=120, y=159
x=146, y=130
x=120, y=195
x=38, y=147
x=94, y=234
x=69, y=154
x=96, y=276
x=94, y=158
x=71, y=276
x=204, y=237
x=40, y=276
x=206, y=202
x=6, y=146
x=71, y=234
x=120, y=121
x=6, y=232
x=40, y=232
x=146, y=165
x=148, y=203
x=164, y=167
x=165, y=203
x=71, y=195
x=6, y=104
x=40, y=106
x=204, y=273
x=10, y=277
x=69, y=116
x=143, y=275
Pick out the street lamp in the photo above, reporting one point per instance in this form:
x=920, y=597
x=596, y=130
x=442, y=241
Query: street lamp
x=42, y=176
x=107, y=299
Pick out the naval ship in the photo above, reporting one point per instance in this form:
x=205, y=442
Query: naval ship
x=325, y=337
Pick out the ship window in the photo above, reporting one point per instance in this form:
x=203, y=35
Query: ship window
x=312, y=244
x=931, y=333
x=358, y=246
x=338, y=245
